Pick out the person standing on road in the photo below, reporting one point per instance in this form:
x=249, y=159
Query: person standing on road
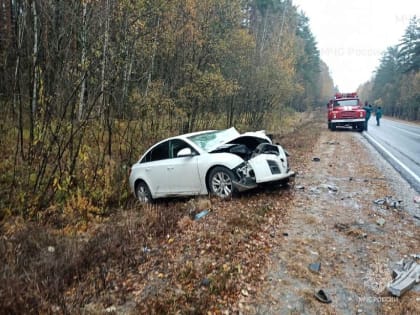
x=378, y=115
x=368, y=109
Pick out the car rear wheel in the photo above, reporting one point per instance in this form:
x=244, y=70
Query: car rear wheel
x=143, y=193
x=220, y=182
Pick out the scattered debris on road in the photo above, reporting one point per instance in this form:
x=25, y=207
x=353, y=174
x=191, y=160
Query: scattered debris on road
x=322, y=297
x=380, y=222
x=316, y=159
x=205, y=282
x=201, y=214
x=315, y=267
x=331, y=188
x=388, y=202
x=406, y=274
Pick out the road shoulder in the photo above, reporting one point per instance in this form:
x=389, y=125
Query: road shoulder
x=335, y=222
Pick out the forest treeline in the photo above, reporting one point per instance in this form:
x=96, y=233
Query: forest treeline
x=395, y=85
x=86, y=85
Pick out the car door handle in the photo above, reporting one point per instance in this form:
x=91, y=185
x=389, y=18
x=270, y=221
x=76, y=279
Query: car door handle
x=147, y=169
x=170, y=168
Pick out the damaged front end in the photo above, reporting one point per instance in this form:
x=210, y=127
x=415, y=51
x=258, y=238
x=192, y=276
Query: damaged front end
x=246, y=176
x=263, y=163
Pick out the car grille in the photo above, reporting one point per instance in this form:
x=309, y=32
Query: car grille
x=273, y=167
x=348, y=114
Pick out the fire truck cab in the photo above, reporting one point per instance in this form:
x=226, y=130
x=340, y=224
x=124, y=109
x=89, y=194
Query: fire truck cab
x=345, y=109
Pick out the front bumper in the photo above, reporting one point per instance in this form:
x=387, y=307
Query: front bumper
x=347, y=120
x=250, y=183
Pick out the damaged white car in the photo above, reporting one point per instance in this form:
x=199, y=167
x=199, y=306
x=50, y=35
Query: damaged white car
x=217, y=162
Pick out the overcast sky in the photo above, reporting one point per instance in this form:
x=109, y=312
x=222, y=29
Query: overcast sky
x=353, y=34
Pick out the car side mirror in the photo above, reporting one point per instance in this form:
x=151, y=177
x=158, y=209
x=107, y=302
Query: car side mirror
x=185, y=152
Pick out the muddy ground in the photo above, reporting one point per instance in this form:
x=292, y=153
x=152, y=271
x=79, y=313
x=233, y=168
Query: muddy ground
x=334, y=222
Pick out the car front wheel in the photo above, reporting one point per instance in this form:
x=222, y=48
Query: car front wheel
x=143, y=193
x=220, y=182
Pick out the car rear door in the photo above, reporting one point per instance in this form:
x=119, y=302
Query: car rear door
x=155, y=171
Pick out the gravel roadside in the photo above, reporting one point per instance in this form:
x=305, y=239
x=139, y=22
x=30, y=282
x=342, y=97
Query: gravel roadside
x=335, y=222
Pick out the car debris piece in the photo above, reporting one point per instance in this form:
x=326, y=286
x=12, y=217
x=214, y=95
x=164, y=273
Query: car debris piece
x=300, y=187
x=322, y=297
x=205, y=282
x=380, y=222
x=332, y=188
x=416, y=199
x=316, y=159
x=314, y=191
x=146, y=250
x=315, y=267
x=389, y=202
x=201, y=214
x=379, y=201
x=406, y=275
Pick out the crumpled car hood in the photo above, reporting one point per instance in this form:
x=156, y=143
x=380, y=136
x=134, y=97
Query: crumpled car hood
x=232, y=134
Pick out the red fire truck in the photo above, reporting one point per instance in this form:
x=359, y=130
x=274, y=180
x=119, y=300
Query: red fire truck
x=345, y=109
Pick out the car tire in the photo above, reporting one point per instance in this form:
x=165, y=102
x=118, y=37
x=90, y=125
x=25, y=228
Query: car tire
x=332, y=126
x=143, y=193
x=220, y=182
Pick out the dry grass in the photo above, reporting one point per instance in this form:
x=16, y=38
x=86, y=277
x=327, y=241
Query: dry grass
x=146, y=260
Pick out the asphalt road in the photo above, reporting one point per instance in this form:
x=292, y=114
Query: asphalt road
x=399, y=143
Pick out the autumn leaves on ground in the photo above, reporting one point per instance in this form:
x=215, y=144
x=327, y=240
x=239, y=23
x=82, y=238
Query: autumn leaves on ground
x=247, y=255
x=145, y=259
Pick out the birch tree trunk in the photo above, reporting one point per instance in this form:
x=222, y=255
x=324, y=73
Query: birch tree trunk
x=83, y=64
x=149, y=78
x=104, y=61
x=35, y=51
x=17, y=100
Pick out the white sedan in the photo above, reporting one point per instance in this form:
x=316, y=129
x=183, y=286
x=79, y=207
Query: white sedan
x=218, y=162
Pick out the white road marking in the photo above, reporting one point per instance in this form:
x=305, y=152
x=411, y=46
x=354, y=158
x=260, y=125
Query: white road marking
x=394, y=158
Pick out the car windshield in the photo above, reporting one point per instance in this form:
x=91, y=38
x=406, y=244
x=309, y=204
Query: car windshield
x=211, y=140
x=353, y=102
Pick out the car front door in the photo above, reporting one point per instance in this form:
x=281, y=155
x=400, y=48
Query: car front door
x=182, y=171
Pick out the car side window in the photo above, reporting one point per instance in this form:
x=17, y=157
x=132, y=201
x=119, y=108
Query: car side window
x=160, y=152
x=177, y=145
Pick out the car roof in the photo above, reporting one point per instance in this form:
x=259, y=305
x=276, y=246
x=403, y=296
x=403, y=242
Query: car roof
x=186, y=135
